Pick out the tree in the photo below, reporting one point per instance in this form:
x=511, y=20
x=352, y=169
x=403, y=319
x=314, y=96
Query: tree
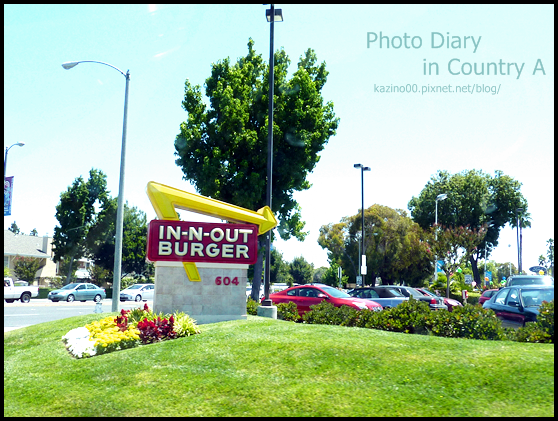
x=26, y=268
x=101, y=243
x=394, y=245
x=301, y=270
x=473, y=199
x=279, y=271
x=34, y=232
x=454, y=246
x=318, y=274
x=14, y=228
x=550, y=256
x=76, y=215
x=222, y=149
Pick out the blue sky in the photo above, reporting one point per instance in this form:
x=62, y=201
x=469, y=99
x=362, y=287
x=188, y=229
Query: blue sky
x=71, y=120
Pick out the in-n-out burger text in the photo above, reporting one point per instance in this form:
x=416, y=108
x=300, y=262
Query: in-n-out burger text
x=202, y=242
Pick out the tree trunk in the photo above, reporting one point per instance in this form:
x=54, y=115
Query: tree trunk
x=475, y=269
x=68, y=278
x=258, y=268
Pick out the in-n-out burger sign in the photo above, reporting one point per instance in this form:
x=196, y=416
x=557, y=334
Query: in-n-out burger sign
x=190, y=242
x=202, y=242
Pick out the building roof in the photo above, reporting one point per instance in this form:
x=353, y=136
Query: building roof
x=26, y=245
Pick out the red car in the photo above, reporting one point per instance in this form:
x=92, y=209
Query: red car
x=486, y=295
x=305, y=296
x=450, y=302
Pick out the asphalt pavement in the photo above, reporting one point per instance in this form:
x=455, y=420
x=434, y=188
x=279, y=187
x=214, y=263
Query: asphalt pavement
x=18, y=315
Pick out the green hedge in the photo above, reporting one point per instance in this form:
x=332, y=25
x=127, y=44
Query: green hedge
x=412, y=316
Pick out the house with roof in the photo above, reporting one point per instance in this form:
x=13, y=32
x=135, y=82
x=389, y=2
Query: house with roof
x=30, y=246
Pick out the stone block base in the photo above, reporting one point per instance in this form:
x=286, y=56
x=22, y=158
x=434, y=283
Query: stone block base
x=206, y=301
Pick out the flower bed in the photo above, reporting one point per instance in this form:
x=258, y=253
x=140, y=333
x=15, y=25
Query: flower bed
x=132, y=328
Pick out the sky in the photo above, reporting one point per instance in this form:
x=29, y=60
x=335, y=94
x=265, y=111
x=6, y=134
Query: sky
x=502, y=118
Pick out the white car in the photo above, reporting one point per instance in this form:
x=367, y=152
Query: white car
x=138, y=292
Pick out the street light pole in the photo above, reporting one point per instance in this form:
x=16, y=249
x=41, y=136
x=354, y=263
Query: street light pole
x=363, y=250
x=439, y=197
x=271, y=15
x=517, y=211
x=120, y=210
x=6, y=158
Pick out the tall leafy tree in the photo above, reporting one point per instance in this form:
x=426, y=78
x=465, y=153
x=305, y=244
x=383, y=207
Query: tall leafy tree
x=76, y=215
x=301, y=271
x=473, y=199
x=134, y=241
x=222, y=147
x=14, y=228
x=25, y=268
x=454, y=246
x=394, y=245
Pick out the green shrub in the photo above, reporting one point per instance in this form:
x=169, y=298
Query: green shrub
x=408, y=317
x=252, y=307
x=288, y=311
x=324, y=313
x=532, y=332
x=184, y=325
x=545, y=319
x=472, y=322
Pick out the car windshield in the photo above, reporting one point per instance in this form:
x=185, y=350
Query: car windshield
x=535, y=280
x=335, y=292
x=429, y=292
x=70, y=286
x=535, y=297
x=135, y=286
x=414, y=292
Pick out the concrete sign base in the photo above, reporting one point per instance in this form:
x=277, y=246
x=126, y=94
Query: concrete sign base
x=219, y=296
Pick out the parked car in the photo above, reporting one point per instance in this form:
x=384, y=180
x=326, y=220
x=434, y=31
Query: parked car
x=14, y=292
x=137, y=292
x=486, y=295
x=388, y=298
x=81, y=291
x=435, y=303
x=305, y=296
x=520, y=304
x=515, y=280
x=450, y=302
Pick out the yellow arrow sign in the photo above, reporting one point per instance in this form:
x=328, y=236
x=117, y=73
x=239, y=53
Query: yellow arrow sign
x=165, y=199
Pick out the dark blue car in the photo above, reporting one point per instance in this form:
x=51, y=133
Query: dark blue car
x=517, y=305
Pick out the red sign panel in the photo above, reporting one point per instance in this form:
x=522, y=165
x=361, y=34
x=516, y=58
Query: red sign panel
x=183, y=241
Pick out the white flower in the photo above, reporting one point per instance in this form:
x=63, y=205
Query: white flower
x=78, y=342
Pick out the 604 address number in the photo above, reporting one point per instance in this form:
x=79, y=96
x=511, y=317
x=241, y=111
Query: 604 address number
x=226, y=280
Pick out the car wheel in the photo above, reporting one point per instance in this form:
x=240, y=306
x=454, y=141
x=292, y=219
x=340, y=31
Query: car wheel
x=97, y=298
x=25, y=297
x=70, y=298
x=138, y=298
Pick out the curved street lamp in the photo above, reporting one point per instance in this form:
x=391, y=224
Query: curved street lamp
x=6, y=157
x=120, y=210
x=6, y=164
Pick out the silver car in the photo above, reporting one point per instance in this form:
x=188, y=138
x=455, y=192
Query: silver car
x=80, y=291
x=138, y=292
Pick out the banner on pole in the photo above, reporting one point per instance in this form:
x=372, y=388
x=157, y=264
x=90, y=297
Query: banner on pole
x=8, y=192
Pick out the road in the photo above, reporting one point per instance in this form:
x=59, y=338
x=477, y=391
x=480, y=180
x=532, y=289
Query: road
x=18, y=315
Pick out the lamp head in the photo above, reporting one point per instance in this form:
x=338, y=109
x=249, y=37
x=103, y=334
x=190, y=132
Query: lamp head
x=20, y=143
x=442, y=196
x=366, y=169
x=69, y=64
x=357, y=165
x=278, y=15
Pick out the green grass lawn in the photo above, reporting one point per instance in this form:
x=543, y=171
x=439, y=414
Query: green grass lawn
x=265, y=367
